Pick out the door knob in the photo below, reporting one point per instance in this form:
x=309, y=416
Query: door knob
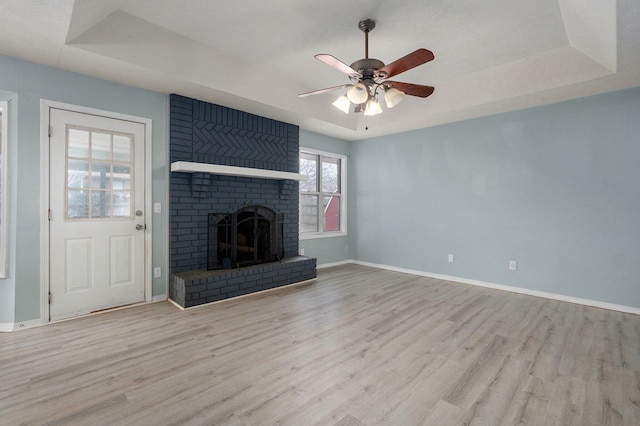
x=139, y=227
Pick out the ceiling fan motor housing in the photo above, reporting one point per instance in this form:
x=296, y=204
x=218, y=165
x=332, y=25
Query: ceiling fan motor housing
x=368, y=65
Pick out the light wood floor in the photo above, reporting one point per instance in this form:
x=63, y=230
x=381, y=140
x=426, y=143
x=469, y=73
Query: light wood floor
x=359, y=346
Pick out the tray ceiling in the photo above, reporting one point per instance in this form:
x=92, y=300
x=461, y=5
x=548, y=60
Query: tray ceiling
x=257, y=56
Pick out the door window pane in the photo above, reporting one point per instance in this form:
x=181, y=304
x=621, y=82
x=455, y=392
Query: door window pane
x=78, y=174
x=121, y=177
x=100, y=146
x=101, y=175
x=100, y=204
x=78, y=143
x=77, y=204
x=122, y=148
x=121, y=204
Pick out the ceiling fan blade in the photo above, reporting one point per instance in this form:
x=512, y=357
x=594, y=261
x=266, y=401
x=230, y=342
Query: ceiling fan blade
x=333, y=62
x=412, y=89
x=328, y=89
x=405, y=63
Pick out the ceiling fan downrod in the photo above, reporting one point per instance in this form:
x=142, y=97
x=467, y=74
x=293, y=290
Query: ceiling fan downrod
x=365, y=26
x=366, y=67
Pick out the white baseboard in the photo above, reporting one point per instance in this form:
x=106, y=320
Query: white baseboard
x=519, y=290
x=331, y=265
x=159, y=298
x=8, y=327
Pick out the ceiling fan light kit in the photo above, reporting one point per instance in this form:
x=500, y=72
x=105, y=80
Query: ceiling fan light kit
x=393, y=97
x=372, y=107
x=370, y=75
x=343, y=104
x=358, y=93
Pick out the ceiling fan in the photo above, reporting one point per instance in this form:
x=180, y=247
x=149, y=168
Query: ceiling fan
x=370, y=75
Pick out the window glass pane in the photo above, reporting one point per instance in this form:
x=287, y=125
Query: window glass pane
x=3, y=185
x=78, y=143
x=309, y=167
x=101, y=175
x=331, y=206
x=78, y=174
x=100, y=204
x=100, y=146
x=121, y=177
x=308, y=213
x=121, y=148
x=77, y=204
x=330, y=175
x=121, y=204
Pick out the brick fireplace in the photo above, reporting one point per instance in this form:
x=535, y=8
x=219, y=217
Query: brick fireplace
x=209, y=134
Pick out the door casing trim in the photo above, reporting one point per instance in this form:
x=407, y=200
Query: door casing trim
x=45, y=107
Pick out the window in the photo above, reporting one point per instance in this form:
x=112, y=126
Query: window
x=99, y=178
x=322, y=196
x=4, y=118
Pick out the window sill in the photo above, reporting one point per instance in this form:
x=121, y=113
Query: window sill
x=317, y=235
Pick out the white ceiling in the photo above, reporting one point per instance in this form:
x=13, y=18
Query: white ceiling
x=256, y=55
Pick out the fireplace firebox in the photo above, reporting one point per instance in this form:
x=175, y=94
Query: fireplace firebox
x=249, y=236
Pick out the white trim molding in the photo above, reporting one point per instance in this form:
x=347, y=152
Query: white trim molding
x=4, y=188
x=519, y=290
x=10, y=327
x=334, y=264
x=159, y=298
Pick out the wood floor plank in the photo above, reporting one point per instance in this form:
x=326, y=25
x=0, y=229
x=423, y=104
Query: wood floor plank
x=359, y=346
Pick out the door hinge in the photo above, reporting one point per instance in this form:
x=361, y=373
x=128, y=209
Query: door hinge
x=49, y=297
x=50, y=130
x=49, y=214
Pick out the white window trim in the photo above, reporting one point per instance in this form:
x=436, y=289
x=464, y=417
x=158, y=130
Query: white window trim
x=4, y=190
x=343, y=197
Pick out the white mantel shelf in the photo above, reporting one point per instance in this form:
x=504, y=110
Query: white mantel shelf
x=215, y=169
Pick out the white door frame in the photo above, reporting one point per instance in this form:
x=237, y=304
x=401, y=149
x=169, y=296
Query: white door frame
x=45, y=106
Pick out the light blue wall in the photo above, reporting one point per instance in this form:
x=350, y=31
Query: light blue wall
x=31, y=83
x=556, y=188
x=331, y=249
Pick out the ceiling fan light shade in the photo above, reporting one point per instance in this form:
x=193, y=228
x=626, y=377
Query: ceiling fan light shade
x=343, y=104
x=358, y=93
x=373, y=107
x=393, y=97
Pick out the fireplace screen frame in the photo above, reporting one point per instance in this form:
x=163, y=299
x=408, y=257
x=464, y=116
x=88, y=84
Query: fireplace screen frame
x=234, y=249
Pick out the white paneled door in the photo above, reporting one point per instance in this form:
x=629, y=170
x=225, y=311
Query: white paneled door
x=96, y=196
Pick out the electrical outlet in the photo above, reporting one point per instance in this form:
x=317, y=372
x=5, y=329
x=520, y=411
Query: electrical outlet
x=301, y=252
x=513, y=265
x=450, y=258
x=157, y=272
